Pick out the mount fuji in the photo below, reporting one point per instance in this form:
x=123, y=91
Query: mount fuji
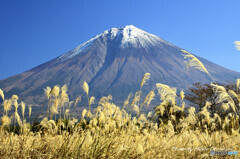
x=114, y=62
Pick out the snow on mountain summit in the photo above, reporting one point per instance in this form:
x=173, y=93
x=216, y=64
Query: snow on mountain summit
x=130, y=36
x=135, y=37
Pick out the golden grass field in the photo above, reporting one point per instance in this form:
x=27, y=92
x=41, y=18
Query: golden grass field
x=171, y=130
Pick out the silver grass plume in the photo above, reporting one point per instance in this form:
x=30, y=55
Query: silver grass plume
x=17, y=117
x=191, y=111
x=14, y=97
x=234, y=95
x=126, y=102
x=194, y=63
x=205, y=113
x=2, y=94
x=54, y=108
x=237, y=45
x=84, y=112
x=23, y=108
x=55, y=91
x=30, y=110
x=148, y=98
x=182, y=95
x=7, y=104
x=102, y=101
x=222, y=96
x=72, y=122
x=89, y=114
x=225, y=106
x=67, y=112
x=85, y=87
x=44, y=122
x=217, y=118
x=70, y=103
x=183, y=106
x=238, y=84
x=47, y=91
x=64, y=95
x=166, y=93
x=136, y=108
x=92, y=100
x=15, y=103
x=191, y=116
x=150, y=114
x=145, y=78
x=5, y=120
x=136, y=98
x=170, y=129
x=176, y=108
x=77, y=100
x=161, y=108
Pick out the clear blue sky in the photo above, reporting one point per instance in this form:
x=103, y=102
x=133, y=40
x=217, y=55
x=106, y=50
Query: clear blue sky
x=35, y=31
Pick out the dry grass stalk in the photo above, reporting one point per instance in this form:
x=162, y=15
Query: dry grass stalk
x=193, y=62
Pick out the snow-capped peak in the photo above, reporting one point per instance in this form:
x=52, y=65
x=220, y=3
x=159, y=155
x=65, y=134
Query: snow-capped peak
x=137, y=37
x=134, y=37
x=129, y=36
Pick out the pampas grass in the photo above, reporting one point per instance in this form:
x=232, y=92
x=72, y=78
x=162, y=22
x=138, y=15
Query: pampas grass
x=47, y=92
x=92, y=100
x=77, y=100
x=64, y=96
x=160, y=109
x=55, y=91
x=5, y=120
x=144, y=79
x=166, y=93
x=193, y=62
x=148, y=98
x=110, y=131
x=85, y=87
x=238, y=84
x=182, y=95
x=136, y=98
x=7, y=104
x=126, y=102
x=14, y=97
x=30, y=111
x=15, y=104
x=237, y=45
x=84, y=112
x=23, y=108
x=2, y=94
x=222, y=96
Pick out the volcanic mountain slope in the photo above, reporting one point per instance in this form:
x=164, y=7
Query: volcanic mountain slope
x=114, y=63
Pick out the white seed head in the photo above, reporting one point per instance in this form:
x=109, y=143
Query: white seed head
x=85, y=87
x=2, y=94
